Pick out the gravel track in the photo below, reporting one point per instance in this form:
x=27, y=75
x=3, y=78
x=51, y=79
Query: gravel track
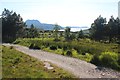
x=79, y=68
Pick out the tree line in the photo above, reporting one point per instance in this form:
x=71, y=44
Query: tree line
x=101, y=30
x=14, y=27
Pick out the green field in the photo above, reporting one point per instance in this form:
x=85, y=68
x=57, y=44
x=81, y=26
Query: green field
x=18, y=65
x=100, y=54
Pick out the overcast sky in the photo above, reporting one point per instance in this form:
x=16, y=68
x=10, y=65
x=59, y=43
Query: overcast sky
x=62, y=12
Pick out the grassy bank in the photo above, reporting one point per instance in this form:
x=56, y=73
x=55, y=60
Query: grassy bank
x=91, y=51
x=18, y=65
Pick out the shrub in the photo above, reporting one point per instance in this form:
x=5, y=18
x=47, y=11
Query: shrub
x=36, y=47
x=77, y=48
x=33, y=46
x=93, y=50
x=56, y=40
x=69, y=53
x=16, y=42
x=65, y=47
x=118, y=59
x=52, y=47
x=84, y=53
x=60, y=47
x=46, y=44
x=109, y=59
x=62, y=53
x=95, y=60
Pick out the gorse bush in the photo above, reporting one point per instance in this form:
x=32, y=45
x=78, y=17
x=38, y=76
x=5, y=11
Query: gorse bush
x=69, y=53
x=60, y=47
x=31, y=46
x=16, y=42
x=53, y=47
x=118, y=59
x=34, y=46
x=95, y=60
x=65, y=47
x=109, y=59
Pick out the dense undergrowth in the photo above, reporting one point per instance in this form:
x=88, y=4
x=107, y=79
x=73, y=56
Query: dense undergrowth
x=101, y=54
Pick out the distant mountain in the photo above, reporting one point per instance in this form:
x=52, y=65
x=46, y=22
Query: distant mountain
x=36, y=23
x=39, y=25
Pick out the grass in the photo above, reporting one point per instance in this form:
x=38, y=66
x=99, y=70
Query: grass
x=19, y=65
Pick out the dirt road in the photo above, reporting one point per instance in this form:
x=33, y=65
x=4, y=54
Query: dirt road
x=78, y=67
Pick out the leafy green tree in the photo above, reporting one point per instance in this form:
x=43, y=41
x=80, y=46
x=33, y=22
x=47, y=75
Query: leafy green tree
x=72, y=36
x=112, y=29
x=56, y=28
x=102, y=31
x=67, y=33
x=33, y=32
x=118, y=28
x=97, y=28
x=80, y=34
x=21, y=33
